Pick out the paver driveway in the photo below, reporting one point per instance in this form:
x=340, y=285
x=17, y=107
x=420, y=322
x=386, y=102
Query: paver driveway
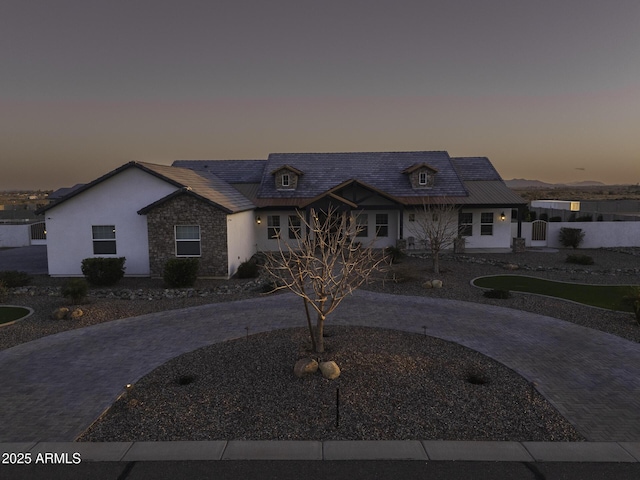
x=51, y=389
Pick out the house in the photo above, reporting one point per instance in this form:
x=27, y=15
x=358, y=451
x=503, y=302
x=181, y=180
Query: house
x=224, y=211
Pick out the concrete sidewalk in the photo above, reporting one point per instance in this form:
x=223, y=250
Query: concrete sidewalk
x=593, y=452
x=53, y=388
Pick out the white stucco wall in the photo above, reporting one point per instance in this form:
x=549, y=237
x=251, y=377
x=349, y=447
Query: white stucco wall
x=501, y=237
x=241, y=238
x=598, y=234
x=15, y=235
x=114, y=201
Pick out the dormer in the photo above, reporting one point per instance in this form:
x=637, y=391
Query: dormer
x=286, y=177
x=421, y=175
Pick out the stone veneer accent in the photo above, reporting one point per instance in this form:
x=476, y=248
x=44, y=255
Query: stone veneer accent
x=414, y=178
x=293, y=180
x=187, y=210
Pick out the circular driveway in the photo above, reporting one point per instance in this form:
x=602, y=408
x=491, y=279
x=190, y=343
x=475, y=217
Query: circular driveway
x=53, y=388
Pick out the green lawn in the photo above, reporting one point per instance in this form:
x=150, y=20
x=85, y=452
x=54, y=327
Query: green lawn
x=9, y=314
x=603, y=296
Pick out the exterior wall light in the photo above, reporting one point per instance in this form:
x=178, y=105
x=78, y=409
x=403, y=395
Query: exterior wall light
x=502, y=217
x=258, y=220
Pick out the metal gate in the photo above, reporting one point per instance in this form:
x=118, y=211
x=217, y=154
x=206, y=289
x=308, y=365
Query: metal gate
x=539, y=233
x=38, y=233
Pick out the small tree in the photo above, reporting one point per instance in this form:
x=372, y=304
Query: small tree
x=323, y=264
x=437, y=227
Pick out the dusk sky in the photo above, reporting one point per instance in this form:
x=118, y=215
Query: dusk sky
x=548, y=90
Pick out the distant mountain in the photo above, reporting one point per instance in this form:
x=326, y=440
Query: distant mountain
x=524, y=183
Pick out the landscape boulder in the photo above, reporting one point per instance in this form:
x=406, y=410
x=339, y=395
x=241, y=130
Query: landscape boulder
x=511, y=266
x=330, y=370
x=305, y=366
x=427, y=284
x=76, y=314
x=60, y=313
x=436, y=283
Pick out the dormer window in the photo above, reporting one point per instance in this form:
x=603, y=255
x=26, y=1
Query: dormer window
x=421, y=175
x=286, y=177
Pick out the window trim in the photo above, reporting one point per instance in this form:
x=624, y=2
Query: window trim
x=187, y=240
x=463, y=226
x=273, y=228
x=486, y=226
x=382, y=226
x=294, y=227
x=286, y=176
x=426, y=178
x=104, y=240
x=362, y=221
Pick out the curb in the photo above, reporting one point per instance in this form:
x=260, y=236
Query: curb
x=70, y=452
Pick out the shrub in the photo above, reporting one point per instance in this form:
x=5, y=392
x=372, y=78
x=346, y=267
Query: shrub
x=248, y=269
x=394, y=254
x=571, y=237
x=555, y=219
x=495, y=293
x=181, y=272
x=103, y=271
x=634, y=299
x=76, y=289
x=580, y=259
x=13, y=278
x=585, y=218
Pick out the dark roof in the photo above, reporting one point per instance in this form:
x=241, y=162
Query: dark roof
x=210, y=188
x=380, y=170
x=231, y=171
x=475, y=168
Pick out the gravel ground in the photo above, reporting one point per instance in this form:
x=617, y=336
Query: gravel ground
x=417, y=391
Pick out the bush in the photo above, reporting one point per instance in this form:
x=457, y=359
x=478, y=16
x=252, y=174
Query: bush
x=248, y=269
x=394, y=254
x=585, y=218
x=76, y=289
x=13, y=278
x=555, y=219
x=571, y=237
x=634, y=299
x=103, y=271
x=494, y=293
x=181, y=272
x=580, y=259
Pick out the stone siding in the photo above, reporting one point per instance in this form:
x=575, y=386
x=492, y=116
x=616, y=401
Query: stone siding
x=414, y=178
x=293, y=180
x=186, y=210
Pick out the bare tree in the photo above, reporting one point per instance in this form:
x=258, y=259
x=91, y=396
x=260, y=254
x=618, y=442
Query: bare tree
x=436, y=226
x=322, y=264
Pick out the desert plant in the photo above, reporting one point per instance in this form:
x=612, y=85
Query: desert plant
x=580, y=259
x=248, y=269
x=103, y=271
x=75, y=289
x=497, y=293
x=181, y=272
x=13, y=278
x=571, y=237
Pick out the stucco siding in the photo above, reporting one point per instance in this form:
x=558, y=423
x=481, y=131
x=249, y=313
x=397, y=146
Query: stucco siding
x=240, y=239
x=114, y=201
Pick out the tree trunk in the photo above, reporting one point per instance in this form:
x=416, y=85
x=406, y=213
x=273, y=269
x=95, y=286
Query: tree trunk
x=311, y=335
x=320, y=334
x=436, y=262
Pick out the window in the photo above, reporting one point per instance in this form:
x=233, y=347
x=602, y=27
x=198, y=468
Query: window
x=187, y=240
x=273, y=227
x=362, y=223
x=486, y=223
x=412, y=217
x=285, y=180
x=295, y=231
x=104, y=239
x=422, y=178
x=382, y=225
x=465, y=224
